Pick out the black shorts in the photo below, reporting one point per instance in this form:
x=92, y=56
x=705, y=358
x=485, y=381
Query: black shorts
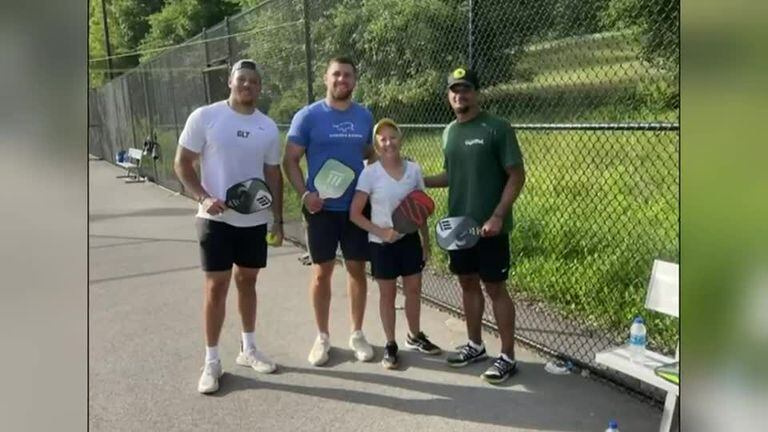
x=401, y=258
x=327, y=229
x=222, y=244
x=489, y=258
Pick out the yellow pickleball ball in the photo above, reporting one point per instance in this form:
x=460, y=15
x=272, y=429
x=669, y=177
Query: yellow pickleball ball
x=271, y=239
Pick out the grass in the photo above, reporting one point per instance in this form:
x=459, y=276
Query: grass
x=600, y=77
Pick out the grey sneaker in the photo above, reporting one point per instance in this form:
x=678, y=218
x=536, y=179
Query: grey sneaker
x=256, y=360
x=466, y=355
x=421, y=343
x=209, y=380
x=390, y=356
x=499, y=371
x=363, y=350
x=318, y=355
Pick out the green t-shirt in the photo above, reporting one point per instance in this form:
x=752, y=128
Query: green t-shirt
x=476, y=154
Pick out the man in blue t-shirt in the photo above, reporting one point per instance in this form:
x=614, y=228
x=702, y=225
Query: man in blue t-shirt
x=333, y=128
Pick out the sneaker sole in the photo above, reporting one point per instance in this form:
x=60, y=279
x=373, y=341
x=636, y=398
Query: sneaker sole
x=262, y=370
x=494, y=380
x=208, y=391
x=321, y=361
x=421, y=350
x=213, y=389
x=362, y=357
x=499, y=380
x=468, y=362
x=389, y=366
x=265, y=370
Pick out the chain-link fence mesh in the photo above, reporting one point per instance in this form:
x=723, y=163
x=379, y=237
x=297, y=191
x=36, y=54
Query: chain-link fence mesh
x=590, y=85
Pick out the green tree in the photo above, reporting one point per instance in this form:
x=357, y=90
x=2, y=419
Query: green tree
x=127, y=26
x=658, y=21
x=404, y=51
x=179, y=20
x=573, y=17
x=96, y=47
x=276, y=41
x=658, y=24
x=500, y=31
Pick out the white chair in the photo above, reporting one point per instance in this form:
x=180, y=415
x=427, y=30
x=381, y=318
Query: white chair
x=132, y=162
x=663, y=296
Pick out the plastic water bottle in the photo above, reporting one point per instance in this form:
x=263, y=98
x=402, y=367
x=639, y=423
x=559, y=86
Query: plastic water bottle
x=612, y=426
x=637, y=340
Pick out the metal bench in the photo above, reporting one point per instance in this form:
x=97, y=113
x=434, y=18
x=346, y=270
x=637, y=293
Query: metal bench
x=663, y=296
x=131, y=162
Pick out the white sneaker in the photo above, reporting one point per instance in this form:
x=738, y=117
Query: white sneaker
x=209, y=380
x=363, y=350
x=319, y=353
x=257, y=360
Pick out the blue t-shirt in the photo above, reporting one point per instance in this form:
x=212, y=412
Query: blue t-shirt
x=326, y=133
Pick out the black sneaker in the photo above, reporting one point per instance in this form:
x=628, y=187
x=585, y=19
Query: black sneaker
x=466, y=355
x=421, y=343
x=499, y=371
x=390, y=356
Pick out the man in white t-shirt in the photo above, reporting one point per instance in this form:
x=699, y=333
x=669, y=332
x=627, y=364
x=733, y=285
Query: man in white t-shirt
x=233, y=142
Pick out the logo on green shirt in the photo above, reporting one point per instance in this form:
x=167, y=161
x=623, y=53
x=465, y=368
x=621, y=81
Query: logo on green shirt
x=474, y=141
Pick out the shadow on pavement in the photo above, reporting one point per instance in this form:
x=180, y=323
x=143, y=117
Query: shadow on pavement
x=525, y=401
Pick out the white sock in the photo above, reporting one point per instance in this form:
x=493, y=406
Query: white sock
x=249, y=341
x=475, y=346
x=323, y=336
x=211, y=354
x=507, y=358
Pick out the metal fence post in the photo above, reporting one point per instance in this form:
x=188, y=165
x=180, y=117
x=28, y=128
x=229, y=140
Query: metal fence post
x=205, y=46
x=173, y=102
x=147, y=105
x=107, y=45
x=175, y=117
x=130, y=107
x=308, y=52
x=229, y=40
x=471, y=36
x=118, y=136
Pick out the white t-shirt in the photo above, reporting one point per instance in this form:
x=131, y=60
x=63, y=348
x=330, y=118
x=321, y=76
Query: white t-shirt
x=386, y=193
x=233, y=147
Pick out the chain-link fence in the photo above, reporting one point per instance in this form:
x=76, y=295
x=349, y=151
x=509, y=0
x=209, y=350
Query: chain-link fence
x=590, y=85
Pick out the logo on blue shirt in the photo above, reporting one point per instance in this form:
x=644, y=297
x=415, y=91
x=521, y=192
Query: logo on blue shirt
x=344, y=130
x=345, y=127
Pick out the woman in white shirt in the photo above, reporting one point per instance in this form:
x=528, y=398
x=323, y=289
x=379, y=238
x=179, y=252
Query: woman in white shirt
x=385, y=183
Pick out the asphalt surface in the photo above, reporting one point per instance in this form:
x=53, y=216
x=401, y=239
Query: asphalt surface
x=146, y=346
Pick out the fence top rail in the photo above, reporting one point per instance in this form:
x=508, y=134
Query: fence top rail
x=557, y=126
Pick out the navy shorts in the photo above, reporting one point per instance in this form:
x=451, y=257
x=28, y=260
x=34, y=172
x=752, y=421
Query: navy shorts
x=222, y=245
x=489, y=258
x=326, y=230
x=401, y=258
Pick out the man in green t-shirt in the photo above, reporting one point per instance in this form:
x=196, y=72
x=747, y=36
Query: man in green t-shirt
x=483, y=170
